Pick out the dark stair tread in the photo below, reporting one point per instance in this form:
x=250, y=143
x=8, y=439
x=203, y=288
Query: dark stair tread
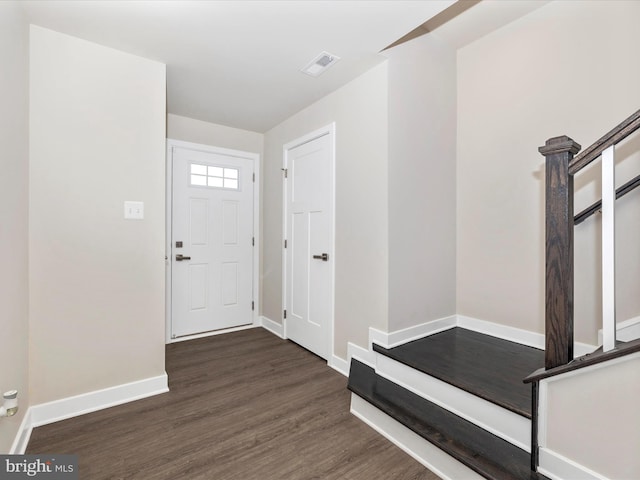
x=483, y=452
x=488, y=367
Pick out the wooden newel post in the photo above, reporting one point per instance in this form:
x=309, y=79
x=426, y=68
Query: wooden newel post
x=559, y=251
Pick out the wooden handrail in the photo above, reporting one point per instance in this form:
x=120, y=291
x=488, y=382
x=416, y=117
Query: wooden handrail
x=585, y=361
x=561, y=165
x=616, y=135
x=620, y=192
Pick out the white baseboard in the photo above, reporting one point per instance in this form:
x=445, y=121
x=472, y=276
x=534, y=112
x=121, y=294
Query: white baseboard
x=24, y=434
x=505, y=332
x=626, y=331
x=443, y=465
x=557, y=467
x=418, y=331
x=45, y=413
x=499, y=421
x=518, y=335
x=274, y=327
x=339, y=365
x=399, y=337
x=64, y=408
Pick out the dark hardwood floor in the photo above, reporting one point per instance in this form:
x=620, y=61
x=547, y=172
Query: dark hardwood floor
x=489, y=367
x=245, y=406
x=492, y=457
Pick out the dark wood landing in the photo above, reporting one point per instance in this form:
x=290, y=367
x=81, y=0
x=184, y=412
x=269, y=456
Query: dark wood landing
x=483, y=452
x=488, y=367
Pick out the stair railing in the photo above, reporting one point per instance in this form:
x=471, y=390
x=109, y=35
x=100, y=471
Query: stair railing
x=561, y=166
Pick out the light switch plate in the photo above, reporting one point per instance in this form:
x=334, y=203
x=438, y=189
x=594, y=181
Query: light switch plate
x=134, y=210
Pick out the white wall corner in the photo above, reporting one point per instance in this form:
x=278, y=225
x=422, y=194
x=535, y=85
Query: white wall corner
x=557, y=467
x=69, y=407
x=340, y=365
x=274, y=327
x=24, y=434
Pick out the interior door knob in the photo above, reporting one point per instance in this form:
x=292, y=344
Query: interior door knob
x=180, y=257
x=324, y=257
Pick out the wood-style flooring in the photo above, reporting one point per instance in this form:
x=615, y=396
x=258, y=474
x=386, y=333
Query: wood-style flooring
x=242, y=406
x=492, y=457
x=488, y=367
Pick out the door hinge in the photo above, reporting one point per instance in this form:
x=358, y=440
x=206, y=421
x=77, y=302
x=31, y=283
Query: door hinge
x=253, y=305
x=285, y=244
x=285, y=314
x=286, y=172
x=254, y=178
x=253, y=241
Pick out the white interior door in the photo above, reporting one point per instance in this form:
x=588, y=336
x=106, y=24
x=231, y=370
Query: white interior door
x=309, y=252
x=212, y=241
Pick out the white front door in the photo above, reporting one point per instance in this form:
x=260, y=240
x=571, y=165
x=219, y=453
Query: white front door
x=309, y=235
x=212, y=241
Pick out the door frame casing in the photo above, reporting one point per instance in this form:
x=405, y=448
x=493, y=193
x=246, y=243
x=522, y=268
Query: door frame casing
x=255, y=157
x=329, y=130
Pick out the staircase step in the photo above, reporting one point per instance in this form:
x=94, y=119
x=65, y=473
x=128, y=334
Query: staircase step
x=486, y=454
x=488, y=367
x=509, y=426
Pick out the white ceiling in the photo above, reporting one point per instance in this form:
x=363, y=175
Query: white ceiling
x=236, y=63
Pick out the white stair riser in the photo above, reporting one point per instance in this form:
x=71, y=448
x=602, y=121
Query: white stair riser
x=499, y=421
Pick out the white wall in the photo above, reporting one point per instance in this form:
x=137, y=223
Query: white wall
x=14, y=204
x=567, y=68
x=359, y=110
x=602, y=433
x=97, y=138
x=422, y=182
x=197, y=131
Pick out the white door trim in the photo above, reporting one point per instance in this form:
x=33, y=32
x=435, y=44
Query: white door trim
x=329, y=130
x=171, y=144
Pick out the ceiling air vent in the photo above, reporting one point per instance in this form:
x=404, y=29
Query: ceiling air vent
x=320, y=64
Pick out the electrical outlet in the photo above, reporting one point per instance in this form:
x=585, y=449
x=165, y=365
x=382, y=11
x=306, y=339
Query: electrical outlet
x=134, y=210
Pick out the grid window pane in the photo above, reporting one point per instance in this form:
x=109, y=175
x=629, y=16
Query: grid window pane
x=215, y=182
x=215, y=176
x=198, y=169
x=231, y=173
x=216, y=172
x=231, y=183
x=198, y=180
